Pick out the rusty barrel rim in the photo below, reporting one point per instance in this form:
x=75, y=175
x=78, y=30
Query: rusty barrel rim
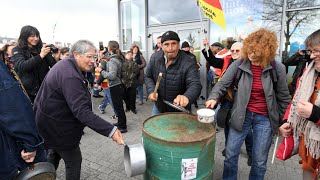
x=203, y=137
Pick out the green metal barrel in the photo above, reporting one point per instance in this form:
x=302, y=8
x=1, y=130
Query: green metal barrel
x=178, y=146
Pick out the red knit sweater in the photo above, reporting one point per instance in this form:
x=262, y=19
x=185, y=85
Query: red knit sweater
x=257, y=102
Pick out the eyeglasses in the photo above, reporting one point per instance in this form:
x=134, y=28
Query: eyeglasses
x=315, y=52
x=89, y=56
x=235, y=50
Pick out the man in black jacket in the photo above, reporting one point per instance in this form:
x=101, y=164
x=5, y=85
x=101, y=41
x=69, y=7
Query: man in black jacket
x=63, y=108
x=180, y=78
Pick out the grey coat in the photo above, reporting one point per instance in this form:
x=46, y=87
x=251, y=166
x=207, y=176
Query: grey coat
x=276, y=102
x=113, y=70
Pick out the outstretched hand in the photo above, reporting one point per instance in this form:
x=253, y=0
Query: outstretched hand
x=211, y=103
x=117, y=137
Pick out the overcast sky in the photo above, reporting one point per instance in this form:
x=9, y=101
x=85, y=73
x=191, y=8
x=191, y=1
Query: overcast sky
x=95, y=20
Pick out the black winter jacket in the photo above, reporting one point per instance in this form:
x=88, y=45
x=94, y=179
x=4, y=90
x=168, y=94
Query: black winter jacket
x=31, y=68
x=180, y=78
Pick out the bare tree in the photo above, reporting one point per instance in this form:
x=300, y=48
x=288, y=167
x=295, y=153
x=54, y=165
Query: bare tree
x=272, y=13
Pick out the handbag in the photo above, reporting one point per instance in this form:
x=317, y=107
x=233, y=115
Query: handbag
x=223, y=116
x=289, y=147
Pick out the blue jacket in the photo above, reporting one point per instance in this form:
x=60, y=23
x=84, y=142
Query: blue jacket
x=17, y=126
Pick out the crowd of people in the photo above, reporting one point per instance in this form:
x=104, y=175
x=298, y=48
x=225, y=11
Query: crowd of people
x=46, y=96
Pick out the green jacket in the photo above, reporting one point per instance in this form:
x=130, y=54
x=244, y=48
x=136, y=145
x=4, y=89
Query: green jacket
x=129, y=73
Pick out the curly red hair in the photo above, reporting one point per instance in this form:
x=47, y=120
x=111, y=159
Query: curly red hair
x=263, y=43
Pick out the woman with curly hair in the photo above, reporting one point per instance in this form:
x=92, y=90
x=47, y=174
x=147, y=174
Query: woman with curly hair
x=258, y=106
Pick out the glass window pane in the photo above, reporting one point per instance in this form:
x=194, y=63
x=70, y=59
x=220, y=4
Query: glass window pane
x=169, y=11
x=132, y=23
x=292, y=4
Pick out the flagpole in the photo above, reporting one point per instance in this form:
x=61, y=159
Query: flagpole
x=202, y=28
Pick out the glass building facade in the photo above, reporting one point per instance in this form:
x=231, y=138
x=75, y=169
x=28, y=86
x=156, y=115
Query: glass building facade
x=292, y=20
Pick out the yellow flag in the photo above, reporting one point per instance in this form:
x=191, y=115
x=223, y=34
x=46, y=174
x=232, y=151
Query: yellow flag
x=213, y=10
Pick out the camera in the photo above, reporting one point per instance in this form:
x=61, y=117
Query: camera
x=306, y=54
x=101, y=48
x=53, y=48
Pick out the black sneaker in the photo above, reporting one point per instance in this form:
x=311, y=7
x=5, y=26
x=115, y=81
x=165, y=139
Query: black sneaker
x=127, y=110
x=134, y=111
x=123, y=130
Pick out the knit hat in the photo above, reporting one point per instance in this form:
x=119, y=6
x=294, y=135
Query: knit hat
x=169, y=35
x=185, y=44
x=217, y=44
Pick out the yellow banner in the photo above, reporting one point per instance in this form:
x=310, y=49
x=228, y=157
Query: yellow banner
x=213, y=11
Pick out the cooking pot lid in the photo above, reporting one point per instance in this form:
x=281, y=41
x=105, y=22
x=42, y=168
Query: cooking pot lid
x=38, y=171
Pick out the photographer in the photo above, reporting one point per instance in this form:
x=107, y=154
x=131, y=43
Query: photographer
x=32, y=60
x=298, y=59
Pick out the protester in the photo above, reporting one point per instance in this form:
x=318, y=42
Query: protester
x=298, y=59
x=260, y=109
x=303, y=114
x=7, y=49
x=63, y=108
x=64, y=52
x=31, y=60
x=213, y=73
x=103, y=83
x=20, y=142
x=185, y=47
x=159, y=44
x=129, y=73
x=180, y=78
x=139, y=59
x=113, y=74
x=227, y=101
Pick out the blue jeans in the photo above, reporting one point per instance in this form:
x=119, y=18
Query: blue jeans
x=248, y=140
x=140, y=92
x=261, y=136
x=107, y=99
x=155, y=110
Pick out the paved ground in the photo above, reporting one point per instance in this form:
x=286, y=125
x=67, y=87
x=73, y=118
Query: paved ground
x=103, y=159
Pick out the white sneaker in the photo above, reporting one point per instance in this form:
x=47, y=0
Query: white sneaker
x=100, y=109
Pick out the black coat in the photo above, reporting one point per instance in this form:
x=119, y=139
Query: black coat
x=31, y=68
x=180, y=78
x=300, y=62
